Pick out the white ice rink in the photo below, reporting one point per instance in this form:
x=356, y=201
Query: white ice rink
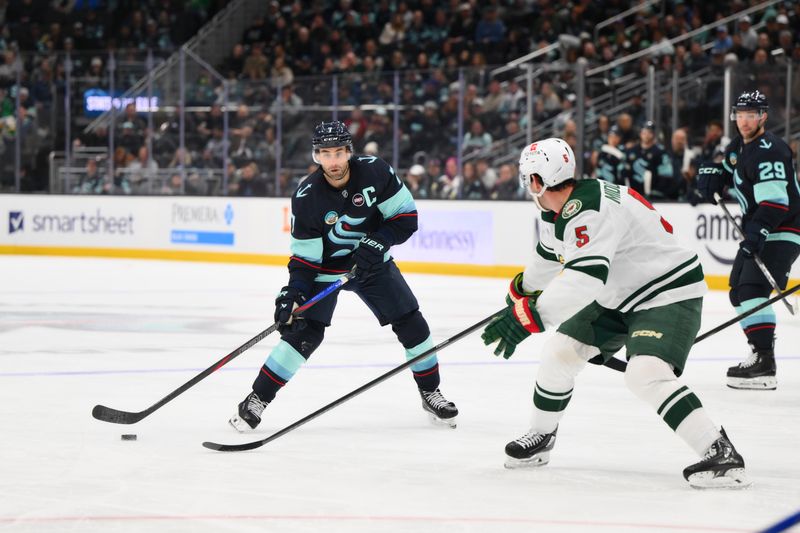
x=78, y=332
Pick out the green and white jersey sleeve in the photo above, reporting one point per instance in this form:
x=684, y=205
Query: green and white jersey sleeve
x=616, y=250
x=546, y=263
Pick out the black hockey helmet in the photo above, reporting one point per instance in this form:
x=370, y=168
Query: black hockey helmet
x=330, y=135
x=750, y=101
x=649, y=125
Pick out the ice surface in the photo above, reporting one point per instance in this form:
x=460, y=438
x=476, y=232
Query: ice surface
x=77, y=332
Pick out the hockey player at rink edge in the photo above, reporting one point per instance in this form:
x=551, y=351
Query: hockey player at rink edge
x=349, y=211
x=758, y=165
x=652, y=308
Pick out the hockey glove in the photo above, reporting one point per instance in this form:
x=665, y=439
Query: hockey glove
x=513, y=326
x=710, y=180
x=289, y=299
x=755, y=235
x=516, y=292
x=369, y=254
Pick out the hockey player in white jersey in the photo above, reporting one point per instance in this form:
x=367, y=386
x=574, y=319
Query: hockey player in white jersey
x=624, y=281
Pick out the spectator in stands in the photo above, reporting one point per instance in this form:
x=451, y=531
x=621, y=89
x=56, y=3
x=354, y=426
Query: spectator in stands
x=91, y=182
x=256, y=64
x=507, y=185
x=476, y=139
x=448, y=185
x=649, y=167
x=249, y=183
x=472, y=188
x=486, y=174
x=749, y=36
x=682, y=156
x=416, y=180
x=141, y=170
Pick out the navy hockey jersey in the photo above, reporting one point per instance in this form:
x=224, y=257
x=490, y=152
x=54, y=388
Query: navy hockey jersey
x=328, y=223
x=765, y=183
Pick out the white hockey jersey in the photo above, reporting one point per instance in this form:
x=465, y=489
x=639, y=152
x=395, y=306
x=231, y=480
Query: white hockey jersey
x=611, y=246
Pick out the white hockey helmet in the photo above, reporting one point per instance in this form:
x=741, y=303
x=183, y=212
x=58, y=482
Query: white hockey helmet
x=551, y=159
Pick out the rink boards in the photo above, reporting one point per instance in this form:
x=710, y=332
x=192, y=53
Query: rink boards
x=485, y=238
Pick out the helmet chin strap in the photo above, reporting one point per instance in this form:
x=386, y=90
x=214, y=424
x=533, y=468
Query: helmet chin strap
x=537, y=196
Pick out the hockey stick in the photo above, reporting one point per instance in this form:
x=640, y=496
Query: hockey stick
x=620, y=365
x=349, y=395
x=761, y=266
x=115, y=416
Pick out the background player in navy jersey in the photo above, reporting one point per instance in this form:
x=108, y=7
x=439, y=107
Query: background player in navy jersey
x=759, y=167
x=351, y=210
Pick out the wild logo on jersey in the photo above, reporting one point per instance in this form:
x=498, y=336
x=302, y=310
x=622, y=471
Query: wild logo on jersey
x=341, y=235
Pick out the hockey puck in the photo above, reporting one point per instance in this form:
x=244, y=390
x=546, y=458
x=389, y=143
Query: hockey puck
x=129, y=436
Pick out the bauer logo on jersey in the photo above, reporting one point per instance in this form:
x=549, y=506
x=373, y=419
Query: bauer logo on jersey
x=647, y=333
x=571, y=208
x=358, y=200
x=331, y=217
x=732, y=158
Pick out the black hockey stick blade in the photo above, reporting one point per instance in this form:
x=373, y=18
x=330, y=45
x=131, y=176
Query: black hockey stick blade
x=383, y=377
x=116, y=416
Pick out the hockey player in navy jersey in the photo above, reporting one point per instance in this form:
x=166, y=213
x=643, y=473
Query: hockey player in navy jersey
x=759, y=167
x=350, y=211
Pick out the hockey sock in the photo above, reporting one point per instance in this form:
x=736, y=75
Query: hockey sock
x=426, y=372
x=652, y=380
x=758, y=327
x=555, y=380
x=281, y=365
x=414, y=334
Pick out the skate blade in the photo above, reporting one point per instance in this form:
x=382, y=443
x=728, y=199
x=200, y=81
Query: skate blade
x=537, y=460
x=446, y=422
x=238, y=424
x=735, y=478
x=760, y=383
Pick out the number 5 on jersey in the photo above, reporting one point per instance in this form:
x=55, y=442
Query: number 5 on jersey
x=580, y=234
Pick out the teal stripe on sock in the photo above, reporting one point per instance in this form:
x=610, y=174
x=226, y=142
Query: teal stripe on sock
x=420, y=348
x=765, y=316
x=284, y=361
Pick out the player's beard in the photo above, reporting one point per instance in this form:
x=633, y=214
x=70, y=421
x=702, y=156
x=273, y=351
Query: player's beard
x=338, y=175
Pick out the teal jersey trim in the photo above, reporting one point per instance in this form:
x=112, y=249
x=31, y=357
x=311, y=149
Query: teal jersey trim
x=428, y=362
x=771, y=191
x=401, y=202
x=784, y=236
x=765, y=316
x=308, y=249
x=284, y=361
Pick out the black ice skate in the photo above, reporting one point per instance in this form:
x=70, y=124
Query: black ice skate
x=440, y=410
x=756, y=373
x=249, y=415
x=721, y=467
x=531, y=449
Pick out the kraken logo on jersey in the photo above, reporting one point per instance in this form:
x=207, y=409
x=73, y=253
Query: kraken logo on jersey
x=343, y=237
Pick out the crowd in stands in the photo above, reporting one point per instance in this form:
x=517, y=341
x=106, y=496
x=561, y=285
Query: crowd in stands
x=284, y=64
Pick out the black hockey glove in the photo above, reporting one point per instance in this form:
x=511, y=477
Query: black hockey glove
x=289, y=299
x=710, y=180
x=755, y=235
x=369, y=254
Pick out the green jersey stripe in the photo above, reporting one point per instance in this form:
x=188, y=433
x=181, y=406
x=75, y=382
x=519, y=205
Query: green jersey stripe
x=652, y=285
